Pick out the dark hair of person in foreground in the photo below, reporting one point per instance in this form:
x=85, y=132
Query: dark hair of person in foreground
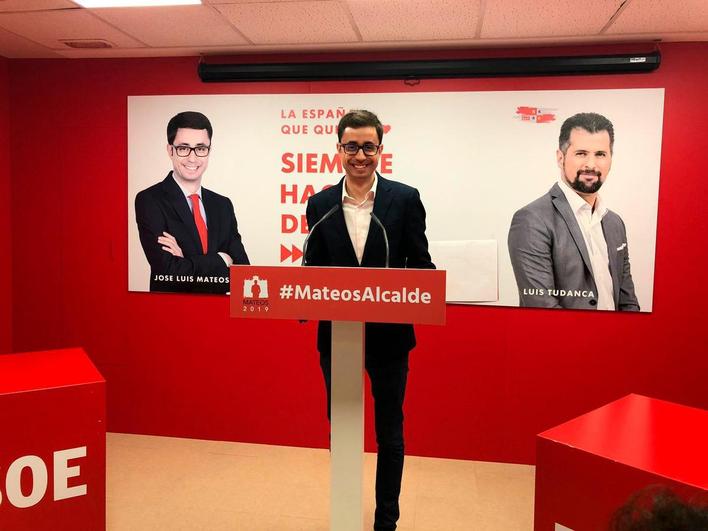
x=658, y=508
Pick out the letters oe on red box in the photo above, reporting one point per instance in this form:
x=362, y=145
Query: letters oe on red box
x=53, y=444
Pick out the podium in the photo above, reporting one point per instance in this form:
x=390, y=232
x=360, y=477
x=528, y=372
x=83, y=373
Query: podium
x=347, y=296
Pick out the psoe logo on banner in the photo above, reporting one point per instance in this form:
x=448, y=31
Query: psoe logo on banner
x=255, y=294
x=537, y=115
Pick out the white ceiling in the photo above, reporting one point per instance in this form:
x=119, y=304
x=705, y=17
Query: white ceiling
x=38, y=28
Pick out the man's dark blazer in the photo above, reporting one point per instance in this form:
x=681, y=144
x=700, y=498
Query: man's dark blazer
x=548, y=254
x=401, y=211
x=163, y=208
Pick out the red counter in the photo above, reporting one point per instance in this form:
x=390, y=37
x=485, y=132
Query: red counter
x=588, y=467
x=52, y=442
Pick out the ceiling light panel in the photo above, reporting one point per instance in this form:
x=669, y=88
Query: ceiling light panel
x=135, y=3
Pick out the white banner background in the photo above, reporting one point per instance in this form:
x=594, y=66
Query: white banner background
x=472, y=159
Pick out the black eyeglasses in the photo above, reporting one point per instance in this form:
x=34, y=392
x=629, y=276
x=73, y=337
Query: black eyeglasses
x=185, y=151
x=352, y=148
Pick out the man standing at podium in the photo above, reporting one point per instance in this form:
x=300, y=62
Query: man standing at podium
x=350, y=236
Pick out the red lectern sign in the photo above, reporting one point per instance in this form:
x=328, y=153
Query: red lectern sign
x=339, y=294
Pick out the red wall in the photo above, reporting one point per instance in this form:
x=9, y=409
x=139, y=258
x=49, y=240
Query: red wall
x=5, y=213
x=480, y=388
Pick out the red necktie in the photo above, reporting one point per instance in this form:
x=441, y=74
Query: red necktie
x=199, y=220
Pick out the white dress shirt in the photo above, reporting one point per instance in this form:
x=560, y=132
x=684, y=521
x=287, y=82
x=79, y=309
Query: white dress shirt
x=590, y=222
x=357, y=216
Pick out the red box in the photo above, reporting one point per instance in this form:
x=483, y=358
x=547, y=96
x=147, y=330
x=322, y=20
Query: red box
x=53, y=442
x=588, y=467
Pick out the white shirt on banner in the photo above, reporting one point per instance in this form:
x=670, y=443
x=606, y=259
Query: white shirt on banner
x=590, y=222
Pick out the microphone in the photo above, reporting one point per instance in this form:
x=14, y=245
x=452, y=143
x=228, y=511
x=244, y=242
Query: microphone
x=312, y=230
x=378, y=222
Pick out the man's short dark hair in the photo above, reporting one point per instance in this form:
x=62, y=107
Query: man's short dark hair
x=357, y=119
x=590, y=122
x=187, y=120
x=658, y=508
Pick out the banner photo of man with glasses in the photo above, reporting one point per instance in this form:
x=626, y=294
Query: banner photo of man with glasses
x=189, y=234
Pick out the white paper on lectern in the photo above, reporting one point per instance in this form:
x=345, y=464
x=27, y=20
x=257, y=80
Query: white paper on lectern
x=471, y=267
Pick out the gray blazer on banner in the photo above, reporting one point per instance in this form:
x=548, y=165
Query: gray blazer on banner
x=551, y=261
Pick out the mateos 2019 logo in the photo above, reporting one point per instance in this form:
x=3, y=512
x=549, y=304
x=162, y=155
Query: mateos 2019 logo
x=255, y=294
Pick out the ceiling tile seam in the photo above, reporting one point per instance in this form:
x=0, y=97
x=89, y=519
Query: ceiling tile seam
x=352, y=21
x=480, y=19
x=414, y=42
x=473, y=39
x=240, y=31
x=468, y=41
x=341, y=46
x=615, y=38
x=119, y=30
x=658, y=34
x=360, y=46
x=27, y=39
x=614, y=16
x=316, y=47
x=34, y=11
x=214, y=8
x=464, y=41
x=356, y=29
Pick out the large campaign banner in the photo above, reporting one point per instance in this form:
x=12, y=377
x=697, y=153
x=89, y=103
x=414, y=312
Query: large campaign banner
x=486, y=165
